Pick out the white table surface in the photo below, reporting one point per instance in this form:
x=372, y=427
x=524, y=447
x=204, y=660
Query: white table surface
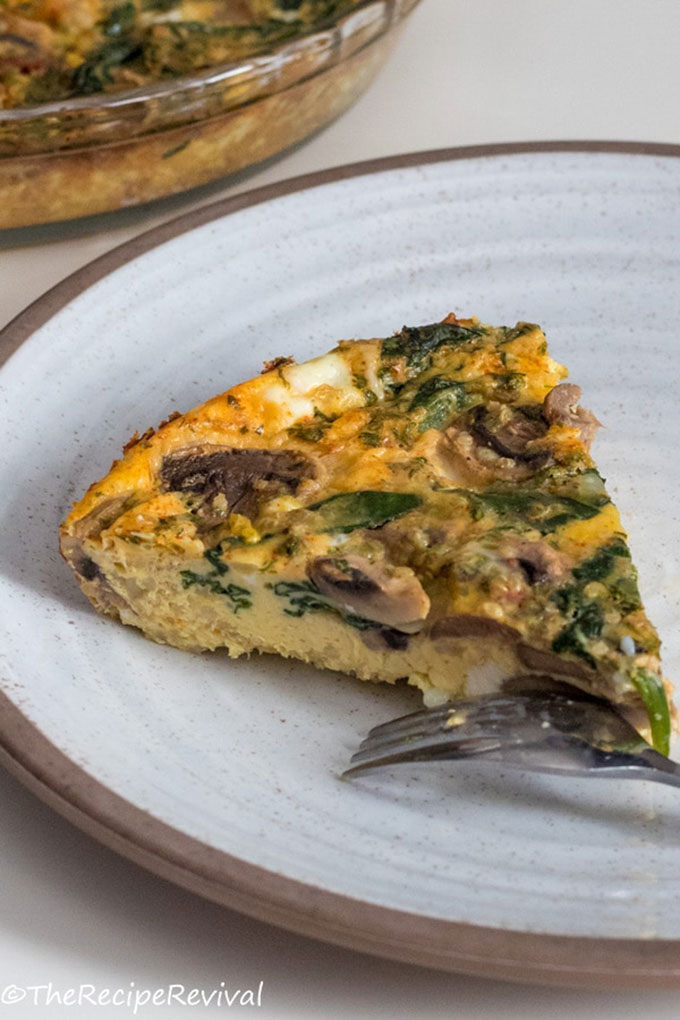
x=72, y=912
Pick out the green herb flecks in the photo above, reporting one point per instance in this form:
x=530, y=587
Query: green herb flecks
x=365, y=509
x=311, y=430
x=416, y=465
x=514, y=332
x=168, y=154
x=509, y=385
x=214, y=558
x=361, y=383
x=653, y=693
x=304, y=598
x=308, y=432
x=370, y=437
x=239, y=597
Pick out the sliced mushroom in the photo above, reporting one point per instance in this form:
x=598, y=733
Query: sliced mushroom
x=462, y=462
x=561, y=407
x=102, y=517
x=495, y=443
x=16, y=40
x=538, y=560
x=244, y=476
x=83, y=564
x=25, y=43
x=395, y=597
x=71, y=545
x=19, y=53
x=90, y=576
x=547, y=662
x=378, y=639
x=468, y=625
x=510, y=438
x=542, y=683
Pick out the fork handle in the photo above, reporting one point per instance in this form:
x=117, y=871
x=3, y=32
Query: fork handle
x=650, y=765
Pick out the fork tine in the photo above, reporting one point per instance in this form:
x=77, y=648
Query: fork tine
x=455, y=730
x=405, y=721
x=491, y=713
x=551, y=731
x=427, y=735
x=428, y=749
x=482, y=707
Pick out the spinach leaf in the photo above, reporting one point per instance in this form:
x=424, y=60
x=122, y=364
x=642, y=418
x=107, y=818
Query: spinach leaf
x=121, y=47
x=434, y=387
x=586, y=614
x=653, y=693
x=238, y=596
x=303, y=598
x=625, y=593
x=365, y=509
x=611, y=566
x=95, y=72
x=417, y=343
x=441, y=398
x=588, y=623
x=544, y=511
x=602, y=562
x=213, y=556
x=514, y=332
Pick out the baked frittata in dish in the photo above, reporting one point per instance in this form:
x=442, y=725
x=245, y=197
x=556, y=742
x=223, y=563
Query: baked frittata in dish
x=56, y=49
x=422, y=506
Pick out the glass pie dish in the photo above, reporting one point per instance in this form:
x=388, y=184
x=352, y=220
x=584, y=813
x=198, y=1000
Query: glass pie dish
x=95, y=153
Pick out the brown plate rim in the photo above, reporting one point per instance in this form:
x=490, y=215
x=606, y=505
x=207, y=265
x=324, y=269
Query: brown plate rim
x=576, y=961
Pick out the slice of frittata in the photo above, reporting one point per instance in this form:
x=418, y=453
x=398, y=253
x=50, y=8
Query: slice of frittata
x=422, y=506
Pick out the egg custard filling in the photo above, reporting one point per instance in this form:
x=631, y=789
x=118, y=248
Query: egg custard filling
x=422, y=506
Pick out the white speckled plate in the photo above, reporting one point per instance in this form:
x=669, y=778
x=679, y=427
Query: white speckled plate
x=224, y=775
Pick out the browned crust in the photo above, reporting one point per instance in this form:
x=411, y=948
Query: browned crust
x=493, y=952
x=75, y=182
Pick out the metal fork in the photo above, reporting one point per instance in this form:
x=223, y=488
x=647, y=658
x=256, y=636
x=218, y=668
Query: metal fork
x=553, y=730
